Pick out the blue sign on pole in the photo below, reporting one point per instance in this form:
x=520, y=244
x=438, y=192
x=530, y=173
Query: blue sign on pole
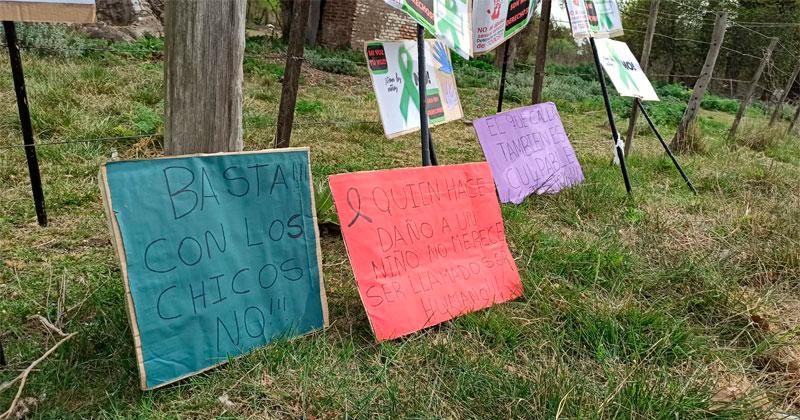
x=219, y=253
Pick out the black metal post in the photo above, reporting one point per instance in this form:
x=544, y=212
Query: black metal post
x=506, y=47
x=25, y=121
x=666, y=147
x=434, y=160
x=424, y=130
x=614, y=133
x=2, y=355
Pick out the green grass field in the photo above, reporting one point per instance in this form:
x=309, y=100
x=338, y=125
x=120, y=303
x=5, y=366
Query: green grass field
x=660, y=305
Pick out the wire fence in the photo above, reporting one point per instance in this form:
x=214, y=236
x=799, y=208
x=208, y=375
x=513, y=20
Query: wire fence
x=700, y=15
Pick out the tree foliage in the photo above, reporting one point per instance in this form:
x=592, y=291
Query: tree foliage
x=684, y=30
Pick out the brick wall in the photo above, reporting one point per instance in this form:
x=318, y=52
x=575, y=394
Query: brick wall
x=348, y=23
x=336, y=23
x=375, y=19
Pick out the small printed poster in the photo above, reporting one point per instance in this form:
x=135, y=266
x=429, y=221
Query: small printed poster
x=594, y=18
x=469, y=27
x=393, y=68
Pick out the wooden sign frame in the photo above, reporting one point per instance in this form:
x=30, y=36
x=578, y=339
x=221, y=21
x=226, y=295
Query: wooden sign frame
x=60, y=11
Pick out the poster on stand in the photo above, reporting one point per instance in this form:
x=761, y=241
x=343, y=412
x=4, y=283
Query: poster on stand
x=393, y=69
x=594, y=18
x=624, y=71
x=470, y=27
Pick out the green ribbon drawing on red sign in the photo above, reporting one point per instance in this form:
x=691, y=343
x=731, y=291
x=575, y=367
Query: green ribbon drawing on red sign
x=409, y=92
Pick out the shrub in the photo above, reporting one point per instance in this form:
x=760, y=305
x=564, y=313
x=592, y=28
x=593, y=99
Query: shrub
x=262, y=68
x=337, y=65
x=516, y=93
x=760, y=137
x=666, y=113
x=693, y=141
x=340, y=61
x=145, y=120
x=716, y=103
x=469, y=76
x=52, y=39
x=304, y=107
x=143, y=48
x=674, y=91
x=569, y=88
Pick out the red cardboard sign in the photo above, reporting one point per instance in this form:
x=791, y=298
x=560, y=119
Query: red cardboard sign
x=426, y=244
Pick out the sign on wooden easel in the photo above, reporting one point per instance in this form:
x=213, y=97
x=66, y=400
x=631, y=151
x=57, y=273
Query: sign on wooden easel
x=219, y=255
x=66, y=11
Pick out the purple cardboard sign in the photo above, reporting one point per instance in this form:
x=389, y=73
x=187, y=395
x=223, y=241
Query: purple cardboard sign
x=528, y=151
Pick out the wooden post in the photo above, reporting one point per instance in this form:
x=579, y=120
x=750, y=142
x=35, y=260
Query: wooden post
x=644, y=61
x=203, y=70
x=794, y=120
x=700, y=87
x=541, y=52
x=785, y=95
x=291, y=73
x=751, y=90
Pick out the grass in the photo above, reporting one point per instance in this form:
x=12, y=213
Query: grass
x=643, y=306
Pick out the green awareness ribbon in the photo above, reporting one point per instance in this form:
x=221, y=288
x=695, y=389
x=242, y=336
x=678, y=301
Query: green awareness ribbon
x=605, y=14
x=626, y=78
x=409, y=93
x=445, y=25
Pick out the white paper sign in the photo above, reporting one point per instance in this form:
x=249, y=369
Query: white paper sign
x=469, y=27
x=624, y=71
x=393, y=68
x=594, y=18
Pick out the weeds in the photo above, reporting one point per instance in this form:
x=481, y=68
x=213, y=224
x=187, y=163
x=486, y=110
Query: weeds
x=642, y=307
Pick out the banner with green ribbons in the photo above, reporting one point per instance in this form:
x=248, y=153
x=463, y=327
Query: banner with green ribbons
x=393, y=69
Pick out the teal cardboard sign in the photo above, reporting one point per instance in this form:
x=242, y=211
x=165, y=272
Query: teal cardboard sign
x=219, y=253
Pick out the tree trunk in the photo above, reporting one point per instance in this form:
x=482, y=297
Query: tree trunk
x=203, y=72
x=784, y=95
x=287, y=12
x=512, y=53
x=681, y=142
x=751, y=90
x=291, y=73
x=644, y=63
x=541, y=52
